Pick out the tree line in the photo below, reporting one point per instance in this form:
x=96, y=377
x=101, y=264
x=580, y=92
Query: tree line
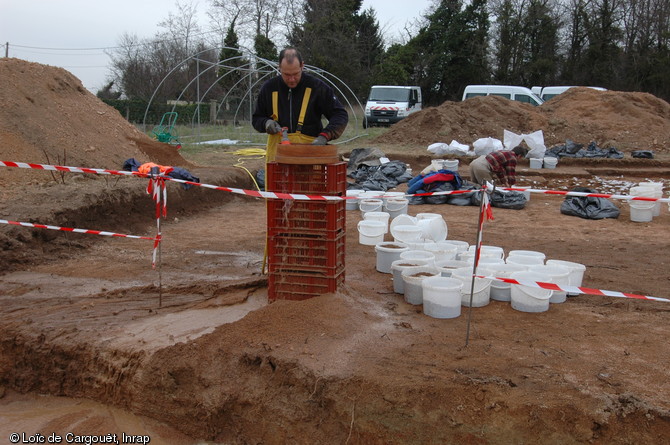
x=617, y=44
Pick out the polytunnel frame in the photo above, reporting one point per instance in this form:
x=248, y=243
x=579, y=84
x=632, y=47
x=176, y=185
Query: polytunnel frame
x=252, y=69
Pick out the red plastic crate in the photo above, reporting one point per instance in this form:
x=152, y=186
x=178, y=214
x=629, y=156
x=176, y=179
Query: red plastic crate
x=290, y=252
x=290, y=216
x=302, y=285
x=316, y=179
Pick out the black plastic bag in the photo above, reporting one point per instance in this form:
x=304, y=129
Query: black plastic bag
x=589, y=207
x=644, y=154
x=508, y=199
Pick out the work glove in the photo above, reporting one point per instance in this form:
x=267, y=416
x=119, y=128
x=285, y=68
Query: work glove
x=272, y=127
x=320, y=140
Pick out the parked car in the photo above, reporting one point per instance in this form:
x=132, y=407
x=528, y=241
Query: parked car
x=517, y=93
x=388, y=104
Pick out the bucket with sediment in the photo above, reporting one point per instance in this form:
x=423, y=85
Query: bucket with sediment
x=371, y=233
x=412, y=279
x=576, y=272
x=442, y=297
x=397, y=267
x=481, y=291
x=501, y=291
x=529, y=298
x=388, y=252
x=447, y=266
x=422, y=255
x=396, y=206
x=370, y=205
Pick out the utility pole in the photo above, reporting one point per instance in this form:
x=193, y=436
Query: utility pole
x=7, y=49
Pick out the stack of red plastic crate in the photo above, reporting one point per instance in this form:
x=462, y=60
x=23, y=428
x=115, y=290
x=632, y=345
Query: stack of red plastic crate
x=306, y=238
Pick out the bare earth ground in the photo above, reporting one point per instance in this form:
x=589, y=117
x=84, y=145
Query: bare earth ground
x=193, y=352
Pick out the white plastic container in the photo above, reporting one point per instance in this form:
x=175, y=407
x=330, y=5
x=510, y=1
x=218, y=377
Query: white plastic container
x=657, y=188
x=387, y=253
x=396, y=206
x=641, y=211
x=576, y=272
x=550, y=162
x=433, y=229
x=370, y=205
x=557, y=274
x=525, y=260
x=501, y=291
x=481, y=290
x=397, y=268
x=527, y=298
x=406, y=234
x=442, y=251
x=422, y=255
x=451, y=164
x=412, y=278
x=442, y=297
x=536, y=162
x=489, y=251
x=461, y=246
x=382, y=217
x=352, y=202
x=533, y=253
x=447, y=266
x=402, y=220
x=371, y=233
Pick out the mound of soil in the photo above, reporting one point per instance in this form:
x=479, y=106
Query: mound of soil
x=627, y=121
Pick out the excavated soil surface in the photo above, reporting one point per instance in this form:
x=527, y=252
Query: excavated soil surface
x=93, y=341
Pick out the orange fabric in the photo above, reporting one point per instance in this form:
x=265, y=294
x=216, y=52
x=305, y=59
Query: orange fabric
x=145, y=168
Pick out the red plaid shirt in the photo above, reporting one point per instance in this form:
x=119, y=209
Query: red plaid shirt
x=503, y=164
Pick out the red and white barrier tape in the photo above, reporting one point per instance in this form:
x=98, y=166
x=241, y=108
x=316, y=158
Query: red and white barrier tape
x=70, y=229
x=574, y=289
x=275, y=195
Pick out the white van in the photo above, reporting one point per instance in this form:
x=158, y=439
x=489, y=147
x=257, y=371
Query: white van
x=519, y=94
x=549, y=92
x=387, y=104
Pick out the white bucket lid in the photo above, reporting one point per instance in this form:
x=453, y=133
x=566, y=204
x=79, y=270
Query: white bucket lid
x=403, y=220
x=433, y=229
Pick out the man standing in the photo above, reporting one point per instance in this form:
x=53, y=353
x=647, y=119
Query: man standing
x=498, y=166
x=297, y=100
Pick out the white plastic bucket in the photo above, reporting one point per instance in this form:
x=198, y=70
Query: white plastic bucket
x=536, y=163
x=442, y=297
x=500, y=291
x=382, y=217
x=387, y=253
x=371, y=233
x=433, y=229
x=412, y=278
x=447, y=266
x=532, y=253
x=392, y=195
x=525, y=260
x=489, y=251
x=406, y=234
x=442, y=251
x=657, y=187
x=550, y=162
x=396, y=269
x=422, y=255
x=370, y=205
x=451, y=164
x=396, y=206
x=482, y=286
x=576, y=272
x=461, y=246
x=557, y=274
x=352, y=203
x=436, y=163
x=641, y=211
x=527, y=298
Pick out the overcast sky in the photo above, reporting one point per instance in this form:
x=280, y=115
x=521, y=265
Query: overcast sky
x=72, y=34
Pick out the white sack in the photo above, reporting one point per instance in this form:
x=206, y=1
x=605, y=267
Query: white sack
x=485, y=146
x=534, y=140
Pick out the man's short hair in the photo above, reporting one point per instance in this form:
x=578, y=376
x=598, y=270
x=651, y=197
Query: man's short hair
x=290, y=54
x=520, y=151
